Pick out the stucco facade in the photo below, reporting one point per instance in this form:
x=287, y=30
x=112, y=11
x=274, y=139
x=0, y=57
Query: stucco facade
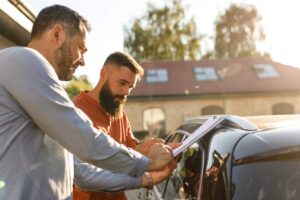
x=176, y=110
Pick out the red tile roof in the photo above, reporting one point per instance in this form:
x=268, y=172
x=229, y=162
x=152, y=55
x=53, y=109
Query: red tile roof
x=241, y=78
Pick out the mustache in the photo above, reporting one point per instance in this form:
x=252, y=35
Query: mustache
x=121, y=98
x=76, y=64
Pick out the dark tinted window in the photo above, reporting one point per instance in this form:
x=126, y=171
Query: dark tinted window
x=267, y=180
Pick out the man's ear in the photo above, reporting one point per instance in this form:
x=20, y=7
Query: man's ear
x=103, y=74
x=58, y=34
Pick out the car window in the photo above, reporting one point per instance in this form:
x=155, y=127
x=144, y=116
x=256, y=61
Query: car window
x=185, y=179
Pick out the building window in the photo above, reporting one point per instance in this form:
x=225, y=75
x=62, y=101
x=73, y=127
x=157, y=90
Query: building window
x=282, y=108
x=154, y=122
x=157, y=75
x=205, y=73
x=212, y=110
x=265, y=71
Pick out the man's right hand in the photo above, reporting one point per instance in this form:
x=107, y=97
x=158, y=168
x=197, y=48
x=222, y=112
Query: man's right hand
x=156, y=177
x=159, y=156
x=146, y=144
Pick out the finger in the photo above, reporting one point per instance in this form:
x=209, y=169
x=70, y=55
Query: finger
x=174, y=145
x=159, y=176
x=168, y=147
x=169, y=150
x=154, y=140
x=172, y=164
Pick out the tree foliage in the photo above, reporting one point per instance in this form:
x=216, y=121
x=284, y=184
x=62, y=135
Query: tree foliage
x=163, y=34
x=76, y=85
x=237, y=32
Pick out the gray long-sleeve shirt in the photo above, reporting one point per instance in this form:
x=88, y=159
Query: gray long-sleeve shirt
x=89, y=177
x=39, y=126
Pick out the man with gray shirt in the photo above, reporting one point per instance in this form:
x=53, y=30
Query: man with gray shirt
x=39, y=125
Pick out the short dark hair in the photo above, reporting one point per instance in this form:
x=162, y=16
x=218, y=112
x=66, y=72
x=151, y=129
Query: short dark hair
x=72, y=21
x=124, y=59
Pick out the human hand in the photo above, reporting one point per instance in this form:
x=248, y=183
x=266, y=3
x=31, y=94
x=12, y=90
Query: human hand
x=145, y=146
x=159, y=156
x=174, y=146
x=152, y=178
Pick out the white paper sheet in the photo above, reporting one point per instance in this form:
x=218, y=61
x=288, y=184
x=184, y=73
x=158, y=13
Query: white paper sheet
x=199, y=132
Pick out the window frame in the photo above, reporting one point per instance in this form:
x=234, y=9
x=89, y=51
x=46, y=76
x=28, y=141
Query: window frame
x=265, y=71
x=205, y=73
x=200, y=151
x=157, y=75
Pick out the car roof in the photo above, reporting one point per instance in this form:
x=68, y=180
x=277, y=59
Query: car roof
x=276, y=135
x=262, y=135
x=252, y=123
x=274, y=121
x=268, y=143
x=230, y=121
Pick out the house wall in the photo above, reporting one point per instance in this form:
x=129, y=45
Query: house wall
x=16, y=20
x=4, y=42
x=177, y=110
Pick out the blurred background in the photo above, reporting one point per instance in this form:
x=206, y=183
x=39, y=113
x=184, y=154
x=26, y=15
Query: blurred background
x=200, y=57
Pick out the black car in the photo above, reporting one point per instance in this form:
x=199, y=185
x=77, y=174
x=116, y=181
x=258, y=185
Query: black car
x=253, y=158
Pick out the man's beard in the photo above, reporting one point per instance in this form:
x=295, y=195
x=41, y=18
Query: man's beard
x=63, y=61
x=112, y=104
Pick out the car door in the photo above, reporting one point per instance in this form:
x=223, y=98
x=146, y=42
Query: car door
x=185, y=181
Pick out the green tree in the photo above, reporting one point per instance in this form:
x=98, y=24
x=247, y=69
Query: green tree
x=77, y=84
x=163, y=34
x=237, y=32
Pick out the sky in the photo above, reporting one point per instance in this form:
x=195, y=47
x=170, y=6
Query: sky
x=280, y=21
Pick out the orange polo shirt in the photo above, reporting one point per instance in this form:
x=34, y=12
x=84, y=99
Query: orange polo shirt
x=117, y=128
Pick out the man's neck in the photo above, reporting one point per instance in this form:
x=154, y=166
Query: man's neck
x=94, y=93
x=42, y=49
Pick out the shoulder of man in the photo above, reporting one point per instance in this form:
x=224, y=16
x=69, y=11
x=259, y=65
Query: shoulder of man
x=18, y=58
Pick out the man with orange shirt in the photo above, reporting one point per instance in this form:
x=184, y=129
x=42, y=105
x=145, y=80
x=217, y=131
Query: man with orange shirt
x=104, y=106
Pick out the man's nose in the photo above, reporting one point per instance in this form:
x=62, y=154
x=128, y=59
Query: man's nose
x=125, y=91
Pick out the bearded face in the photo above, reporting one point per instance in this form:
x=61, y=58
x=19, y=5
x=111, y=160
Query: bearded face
x=112, y=103
x=64, y=62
